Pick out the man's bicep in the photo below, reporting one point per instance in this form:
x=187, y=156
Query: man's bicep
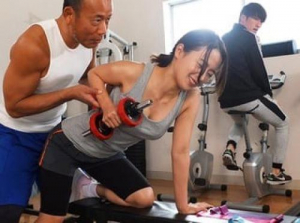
x=19, y=83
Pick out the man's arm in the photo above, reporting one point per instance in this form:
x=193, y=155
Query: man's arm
x=29, y=61
x=257, y=67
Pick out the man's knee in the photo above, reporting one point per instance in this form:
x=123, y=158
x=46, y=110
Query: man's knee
x=283, y=125
x=10, y=213
x=46, y=218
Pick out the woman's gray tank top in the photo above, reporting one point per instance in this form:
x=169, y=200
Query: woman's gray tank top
x=123, y=136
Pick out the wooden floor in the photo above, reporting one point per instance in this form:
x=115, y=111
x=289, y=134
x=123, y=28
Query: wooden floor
x=278, y=204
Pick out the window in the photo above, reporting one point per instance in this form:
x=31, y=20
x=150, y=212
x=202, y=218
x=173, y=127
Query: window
x=182, y=16
x=282, y=22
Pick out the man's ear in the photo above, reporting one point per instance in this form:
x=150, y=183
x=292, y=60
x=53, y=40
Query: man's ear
x=243, y=19
x=179, y=50
x=69, y=14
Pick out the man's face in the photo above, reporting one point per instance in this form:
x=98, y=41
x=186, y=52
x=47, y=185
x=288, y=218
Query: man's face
x=252, y=24
x=91, y=23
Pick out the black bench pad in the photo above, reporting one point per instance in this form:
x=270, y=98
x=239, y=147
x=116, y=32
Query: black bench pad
x=97, y=210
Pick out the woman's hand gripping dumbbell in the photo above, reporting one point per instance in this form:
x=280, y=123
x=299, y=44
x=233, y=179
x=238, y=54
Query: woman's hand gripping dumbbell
x=129, y=111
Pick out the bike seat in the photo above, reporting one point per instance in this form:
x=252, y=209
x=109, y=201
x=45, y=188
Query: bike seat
x=237, y=112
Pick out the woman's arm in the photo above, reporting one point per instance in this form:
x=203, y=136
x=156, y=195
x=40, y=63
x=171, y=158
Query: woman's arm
x=181, y=154
x=123, y=74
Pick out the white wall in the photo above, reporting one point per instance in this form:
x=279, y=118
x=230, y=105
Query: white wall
x=142, y=21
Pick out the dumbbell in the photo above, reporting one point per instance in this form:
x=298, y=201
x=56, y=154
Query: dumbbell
x=130, y=113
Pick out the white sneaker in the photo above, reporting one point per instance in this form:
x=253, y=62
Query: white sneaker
x=80, y=180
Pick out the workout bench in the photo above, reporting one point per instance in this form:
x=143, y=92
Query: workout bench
x=92, y=210
x=96, y=210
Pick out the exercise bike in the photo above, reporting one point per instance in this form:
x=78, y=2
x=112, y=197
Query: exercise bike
x=201, y=161
x=257, y=165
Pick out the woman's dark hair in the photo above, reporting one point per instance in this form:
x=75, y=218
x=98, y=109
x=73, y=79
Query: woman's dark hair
x=254, y=10
x=193, y=41
x=75, y=4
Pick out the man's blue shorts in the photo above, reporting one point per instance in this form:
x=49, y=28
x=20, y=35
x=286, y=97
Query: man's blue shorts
x=19, y=157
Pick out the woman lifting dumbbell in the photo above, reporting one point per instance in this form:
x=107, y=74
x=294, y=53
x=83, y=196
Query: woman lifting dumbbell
x=129, y=111
x=172, y=83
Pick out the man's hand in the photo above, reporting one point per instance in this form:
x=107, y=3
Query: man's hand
x=88, y=95
x=85, y=94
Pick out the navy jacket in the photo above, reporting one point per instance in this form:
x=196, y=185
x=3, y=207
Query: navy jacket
x=247, y=78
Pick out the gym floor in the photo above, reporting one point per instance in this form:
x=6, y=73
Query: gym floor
x=278, y=204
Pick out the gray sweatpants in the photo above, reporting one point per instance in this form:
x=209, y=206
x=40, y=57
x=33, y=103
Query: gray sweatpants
x=269, y=112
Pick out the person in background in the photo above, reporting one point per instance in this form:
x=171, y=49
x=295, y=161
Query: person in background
x=172, y=82
x=247, y=88
x=46, y=64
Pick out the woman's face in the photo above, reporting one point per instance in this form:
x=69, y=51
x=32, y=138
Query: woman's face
x=189, y=66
